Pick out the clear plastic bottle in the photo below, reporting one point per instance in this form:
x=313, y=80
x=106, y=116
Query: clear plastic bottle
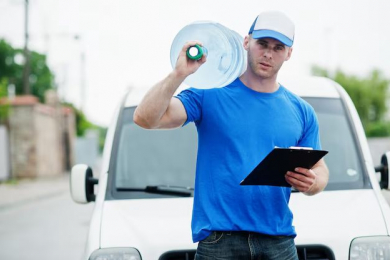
x=226, y=57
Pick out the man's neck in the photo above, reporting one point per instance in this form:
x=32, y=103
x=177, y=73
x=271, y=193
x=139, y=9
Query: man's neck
x=259, y=84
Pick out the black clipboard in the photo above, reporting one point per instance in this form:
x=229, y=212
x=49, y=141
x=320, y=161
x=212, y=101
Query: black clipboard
x=272, y=170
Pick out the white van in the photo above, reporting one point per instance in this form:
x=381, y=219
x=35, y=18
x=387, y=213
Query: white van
x=144, y=200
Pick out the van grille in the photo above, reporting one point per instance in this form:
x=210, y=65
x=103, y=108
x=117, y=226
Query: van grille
x=178, y=255
x=309, y=252
x=314, y=252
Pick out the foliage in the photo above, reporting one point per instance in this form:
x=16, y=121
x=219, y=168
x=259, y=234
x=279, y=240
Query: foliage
x=4, y=107
x=41, y=78
x=9, y=69
x=82, y=125
x=378, y=129
x=369, y=95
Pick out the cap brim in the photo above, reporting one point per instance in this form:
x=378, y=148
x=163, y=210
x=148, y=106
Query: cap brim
x=272, y=34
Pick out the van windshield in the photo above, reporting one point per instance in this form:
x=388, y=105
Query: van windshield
x=168, y=157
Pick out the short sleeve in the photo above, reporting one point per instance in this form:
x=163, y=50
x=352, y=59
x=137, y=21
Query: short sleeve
x=192, y=100
x=311, y=135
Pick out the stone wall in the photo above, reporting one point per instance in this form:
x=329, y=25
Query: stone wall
x=69, y=137
x=48, y=140
x=41, y=138
x=22, y=137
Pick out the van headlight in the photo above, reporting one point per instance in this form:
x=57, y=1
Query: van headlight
x=367, y=248
x=118, y=253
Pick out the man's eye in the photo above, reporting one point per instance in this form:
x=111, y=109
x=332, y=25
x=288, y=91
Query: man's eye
x=263, y=44
x=279, y=48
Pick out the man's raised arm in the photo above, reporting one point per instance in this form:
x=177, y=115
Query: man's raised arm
x=158, y=109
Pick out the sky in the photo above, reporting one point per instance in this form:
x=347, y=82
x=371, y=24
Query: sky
x=126, y=43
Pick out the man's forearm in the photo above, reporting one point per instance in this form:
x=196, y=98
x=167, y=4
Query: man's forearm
x=155, y=103
x=322, y=176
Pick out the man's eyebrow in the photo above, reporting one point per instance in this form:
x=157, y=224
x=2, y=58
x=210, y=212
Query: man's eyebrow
x=262, y=40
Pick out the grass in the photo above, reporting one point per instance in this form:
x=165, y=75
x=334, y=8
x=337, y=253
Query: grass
x=11, y=181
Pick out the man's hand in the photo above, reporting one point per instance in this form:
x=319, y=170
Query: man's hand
x=185, y=66
x=309, y=181
x=302, y=179
x=158, y=109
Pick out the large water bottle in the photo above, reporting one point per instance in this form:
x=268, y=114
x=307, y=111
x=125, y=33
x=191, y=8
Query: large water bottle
x=226, y=57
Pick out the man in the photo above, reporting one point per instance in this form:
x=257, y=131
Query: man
x=238, y=125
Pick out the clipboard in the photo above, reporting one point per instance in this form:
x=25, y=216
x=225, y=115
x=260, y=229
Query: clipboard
x=271, y=171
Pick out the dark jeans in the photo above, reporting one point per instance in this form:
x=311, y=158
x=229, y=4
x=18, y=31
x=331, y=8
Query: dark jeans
x=246, y=245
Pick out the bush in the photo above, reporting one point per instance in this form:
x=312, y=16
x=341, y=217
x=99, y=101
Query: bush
x=369, y=95
x=4, y=106
x=378, y=129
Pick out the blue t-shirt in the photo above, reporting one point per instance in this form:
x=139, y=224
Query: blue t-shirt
x=237, y=127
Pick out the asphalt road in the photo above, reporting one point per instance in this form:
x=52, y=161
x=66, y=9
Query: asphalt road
x=48, y=228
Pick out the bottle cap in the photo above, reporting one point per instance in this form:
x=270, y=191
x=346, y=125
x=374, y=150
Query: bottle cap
x=195, y=52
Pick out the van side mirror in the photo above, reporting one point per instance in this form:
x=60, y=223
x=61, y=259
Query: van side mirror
x=384, y=171
x=82, y=184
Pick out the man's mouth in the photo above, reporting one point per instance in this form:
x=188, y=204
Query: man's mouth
x=265, y=64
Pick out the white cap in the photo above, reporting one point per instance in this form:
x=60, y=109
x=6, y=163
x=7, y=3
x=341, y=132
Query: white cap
x=273, y=24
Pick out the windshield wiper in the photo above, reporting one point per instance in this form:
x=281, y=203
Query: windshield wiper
x=180, y=191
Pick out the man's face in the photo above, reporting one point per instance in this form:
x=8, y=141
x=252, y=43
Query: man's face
x=266, y=55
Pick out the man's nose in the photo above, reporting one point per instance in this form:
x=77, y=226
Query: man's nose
x=267, y=53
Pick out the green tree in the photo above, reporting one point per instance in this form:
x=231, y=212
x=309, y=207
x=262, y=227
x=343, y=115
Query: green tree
x=41, y=78
x=4, y=107
x=83, y=124
x=369, y=95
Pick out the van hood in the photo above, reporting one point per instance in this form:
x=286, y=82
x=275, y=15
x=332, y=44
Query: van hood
x=335, y=218
x=155, y=226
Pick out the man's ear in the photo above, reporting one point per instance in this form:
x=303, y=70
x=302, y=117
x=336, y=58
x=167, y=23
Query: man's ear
x=246, y=42
x=289, y=54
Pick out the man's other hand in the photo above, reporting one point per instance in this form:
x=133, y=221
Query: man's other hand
x=302, y=179
x=309, y=181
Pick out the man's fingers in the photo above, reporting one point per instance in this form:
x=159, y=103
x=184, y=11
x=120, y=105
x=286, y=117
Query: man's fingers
x=304, y=178
x=298, y=184
x=298, y=187
x=304, y=171
x=302, y=181
x=203, y=59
